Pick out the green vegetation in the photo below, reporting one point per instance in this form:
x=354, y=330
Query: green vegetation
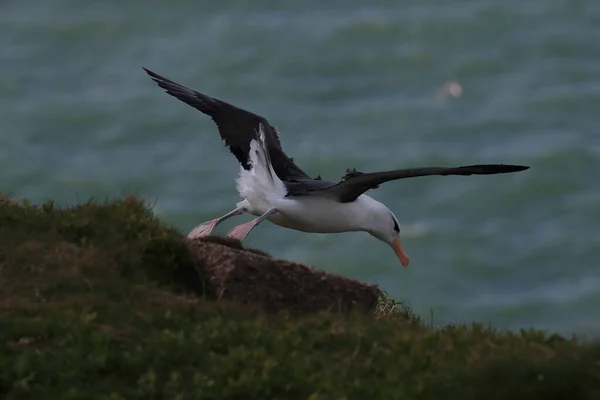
x=102, y=301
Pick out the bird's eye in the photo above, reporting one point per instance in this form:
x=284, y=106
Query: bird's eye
x=396, y=227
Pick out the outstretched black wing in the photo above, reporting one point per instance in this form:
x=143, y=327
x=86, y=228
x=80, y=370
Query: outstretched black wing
x=237, y=127
x=354, y=183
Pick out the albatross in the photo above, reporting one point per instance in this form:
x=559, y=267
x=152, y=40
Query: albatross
x=274, y=188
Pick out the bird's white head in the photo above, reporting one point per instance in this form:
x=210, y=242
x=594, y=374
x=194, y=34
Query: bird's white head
x=385, y=227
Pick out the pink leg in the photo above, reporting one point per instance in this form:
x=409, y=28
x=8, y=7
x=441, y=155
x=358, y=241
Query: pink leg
x=205, y=228
x=241, y=231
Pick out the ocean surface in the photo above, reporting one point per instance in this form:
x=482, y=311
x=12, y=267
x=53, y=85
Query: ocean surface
x=350, y=84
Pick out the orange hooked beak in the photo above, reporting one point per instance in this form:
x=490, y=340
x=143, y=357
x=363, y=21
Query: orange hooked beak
x=397, y=246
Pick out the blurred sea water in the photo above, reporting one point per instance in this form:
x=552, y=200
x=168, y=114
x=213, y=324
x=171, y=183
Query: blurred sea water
x=350, y=84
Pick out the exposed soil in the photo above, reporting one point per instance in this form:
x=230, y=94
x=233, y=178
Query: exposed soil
x=246, y=276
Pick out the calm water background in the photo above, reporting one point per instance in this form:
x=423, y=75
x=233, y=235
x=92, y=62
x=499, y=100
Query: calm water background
x=349, y=85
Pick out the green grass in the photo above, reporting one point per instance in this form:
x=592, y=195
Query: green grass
x=102, y=301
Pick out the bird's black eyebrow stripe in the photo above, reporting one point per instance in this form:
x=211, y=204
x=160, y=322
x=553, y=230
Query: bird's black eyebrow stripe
x=396, y=227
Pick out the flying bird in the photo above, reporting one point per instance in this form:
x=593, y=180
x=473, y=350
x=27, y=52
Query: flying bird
x=274, y=188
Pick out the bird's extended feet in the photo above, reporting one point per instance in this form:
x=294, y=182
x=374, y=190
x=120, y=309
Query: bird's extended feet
x=206, y=228
x=241, y=231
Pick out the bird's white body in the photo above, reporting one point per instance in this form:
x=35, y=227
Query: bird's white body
x=316, y=214
x=262, y=190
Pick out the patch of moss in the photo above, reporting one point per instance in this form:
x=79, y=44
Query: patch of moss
x=92, y=305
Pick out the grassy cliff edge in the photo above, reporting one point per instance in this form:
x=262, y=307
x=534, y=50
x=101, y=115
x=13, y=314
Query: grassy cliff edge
x=97, y=302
